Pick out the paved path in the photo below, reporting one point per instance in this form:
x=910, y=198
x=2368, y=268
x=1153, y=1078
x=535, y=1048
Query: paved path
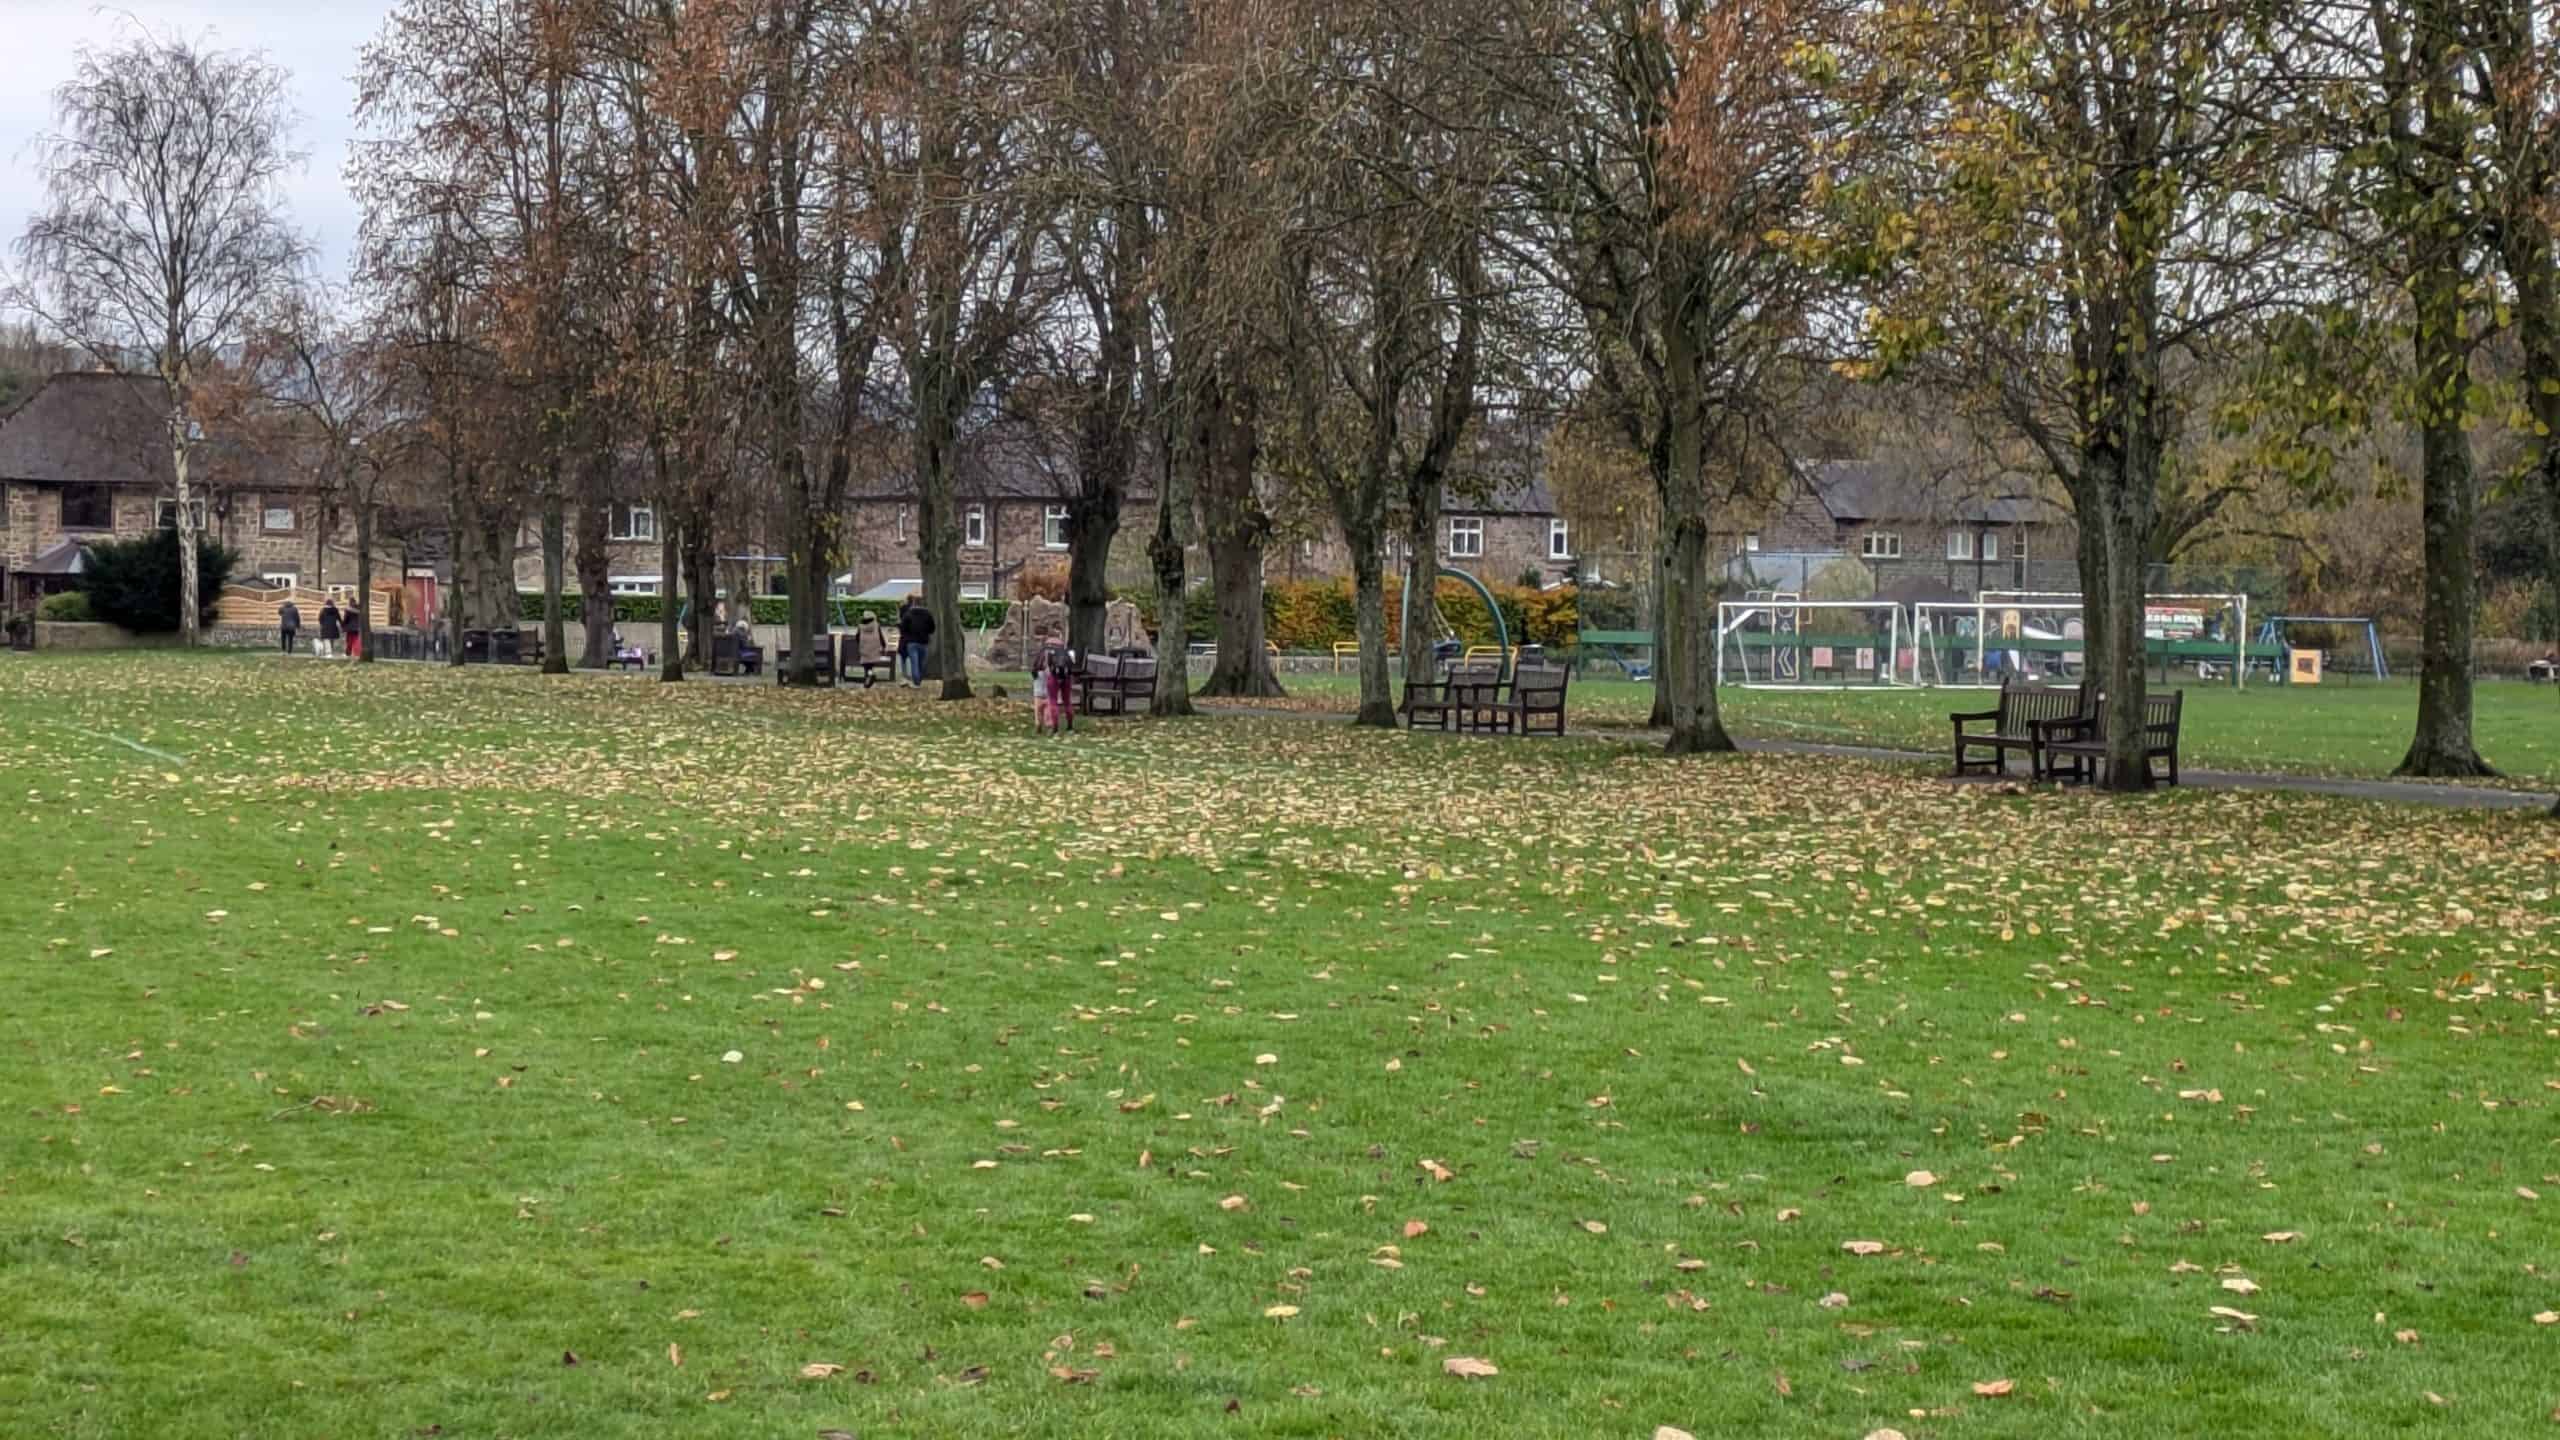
x=2398, y=792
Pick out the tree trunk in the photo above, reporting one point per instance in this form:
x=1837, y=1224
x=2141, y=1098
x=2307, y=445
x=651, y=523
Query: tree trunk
x=190, y=607
x=1167, y=555
x=595, y=582
x=1377, y=702
x=2442, y=745
x=1239, y=530
x=2114, y=505
x=459, y=523
x=670, y=641
x=1420, y=610
x=1659, y=718
x=1689, y=593
x=938, y=539
x=364, y=579
x=701, y=584
x=555, y=544
x=1093, y=523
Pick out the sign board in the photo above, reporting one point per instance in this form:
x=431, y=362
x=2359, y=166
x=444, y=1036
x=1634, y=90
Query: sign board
x=2010, y=621
x=2172, y=622
x=2305, y=666
x=1866, y=657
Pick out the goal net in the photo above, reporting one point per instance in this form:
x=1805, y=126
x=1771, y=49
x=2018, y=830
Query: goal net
x=2041, y=635
x=1776, y=641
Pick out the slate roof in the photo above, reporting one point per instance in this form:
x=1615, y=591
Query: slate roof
x=1875, y=490
x=89, y=427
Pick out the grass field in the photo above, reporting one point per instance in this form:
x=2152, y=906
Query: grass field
x=2340, y=729
x=397, y=1052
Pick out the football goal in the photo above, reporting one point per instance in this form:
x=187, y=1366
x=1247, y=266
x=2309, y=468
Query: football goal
x=1774, y=640
x=2041, y=634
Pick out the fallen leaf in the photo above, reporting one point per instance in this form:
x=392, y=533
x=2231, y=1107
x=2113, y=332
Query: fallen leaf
x=2241, y=1318
x=821, y=1370
x=1671, y=1432
x=1919, y=1179
x=975, y=1299
x=732, y=1057
x=1436, y=1170
x=2240, y=1285
x=1415, y=1229
x=1863, y=1247
x=2405, y=1337
x=1596, y=1227
x=1280, y=1312
x=1833, y=1301
x=1467, y=1367
x=2281, y=1237
x=1888, y=1433
x=675, y=1354
x=2547, y=1317
x=1993, y=1389
x=1232, y=1202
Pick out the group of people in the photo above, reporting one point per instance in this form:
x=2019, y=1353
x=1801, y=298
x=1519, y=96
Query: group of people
x=341, y=631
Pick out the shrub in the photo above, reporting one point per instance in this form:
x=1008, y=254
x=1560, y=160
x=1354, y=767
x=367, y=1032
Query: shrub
x=70, y=605
x=134, y=583
x=1041, y=580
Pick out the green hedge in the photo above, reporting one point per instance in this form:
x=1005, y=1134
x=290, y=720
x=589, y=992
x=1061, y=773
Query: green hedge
x=768, y=609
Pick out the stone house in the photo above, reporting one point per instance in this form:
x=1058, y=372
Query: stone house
x=85, y=458
x=1916, y=535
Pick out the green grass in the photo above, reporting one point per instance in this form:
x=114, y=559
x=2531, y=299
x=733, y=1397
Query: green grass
x=366, y=1061
x=2359, y=728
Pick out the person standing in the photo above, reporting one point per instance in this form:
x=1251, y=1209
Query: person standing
x=289, y=620
x=327, y=645
x=915, y=637
x=351, y=620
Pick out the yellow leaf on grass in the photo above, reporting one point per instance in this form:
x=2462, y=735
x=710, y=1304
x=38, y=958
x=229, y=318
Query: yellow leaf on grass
x=1919, y=1179
x=1863, y=1247
x=820, y=1370
x=1993, y=1389
x=1280, y=1312
x=1468, y=1367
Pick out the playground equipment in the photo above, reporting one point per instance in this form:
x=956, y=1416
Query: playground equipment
x=1774, y=640
x=1501, y=627
x=2271, y=633
x=2041, y=632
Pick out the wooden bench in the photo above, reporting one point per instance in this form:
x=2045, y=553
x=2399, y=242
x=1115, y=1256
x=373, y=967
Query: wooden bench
x=2015, y=725
x=1110, y=684
x=1345, y=650
x=1536, y=703
x=2082, y=740
x=822, y=661
x=865, y=654
x=1445, y=703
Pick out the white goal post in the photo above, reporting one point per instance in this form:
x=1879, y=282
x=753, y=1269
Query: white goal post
x=2040, y=633
x=1778, y=642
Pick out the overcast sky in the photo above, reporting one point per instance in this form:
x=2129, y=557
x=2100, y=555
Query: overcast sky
x=315, y=39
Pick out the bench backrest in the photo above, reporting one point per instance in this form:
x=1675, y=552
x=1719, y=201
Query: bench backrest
x=724, y=647
x=1101, y=667
x=2022, y=704
x=2160, y=714
x=1475, y=672
x=1539, y=687
x=1135, y=670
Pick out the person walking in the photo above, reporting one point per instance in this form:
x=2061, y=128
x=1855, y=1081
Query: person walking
x=289, y=620
x=351, y=620
x=327, y=645
x=915, y=636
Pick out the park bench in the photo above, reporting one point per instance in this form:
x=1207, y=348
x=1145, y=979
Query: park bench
x=1536, y=703
x=731, y=655
x=822, y=661
x=2082, y=740
x=625, y=656
x=1123, y=684
x=1445, y=704
x=865, y=653
x=2015, y=723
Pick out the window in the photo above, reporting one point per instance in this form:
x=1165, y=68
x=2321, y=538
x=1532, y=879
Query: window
x=1751, y=544
x=1881, y=545
x=973, y=528
x=168, y=514
x=1053, y=527
x=1307, y=550
x=898, y=514
x=279, y=579
x=276, y=517
x=635, y=522
x=1990, y=545
x=1466, y=537
x=1960, y=545
x=88, y=507
x=974, y=590
x=1559, y=540
x=633, y=584
x=2018, y=548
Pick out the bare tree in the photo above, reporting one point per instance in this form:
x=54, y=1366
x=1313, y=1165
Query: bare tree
x=165, y=231
x=337, y=391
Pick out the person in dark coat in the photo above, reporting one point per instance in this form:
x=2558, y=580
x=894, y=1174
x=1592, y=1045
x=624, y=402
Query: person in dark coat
x=915, y=636
x=351, y=620
x=289, y=620
x=328, y=642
